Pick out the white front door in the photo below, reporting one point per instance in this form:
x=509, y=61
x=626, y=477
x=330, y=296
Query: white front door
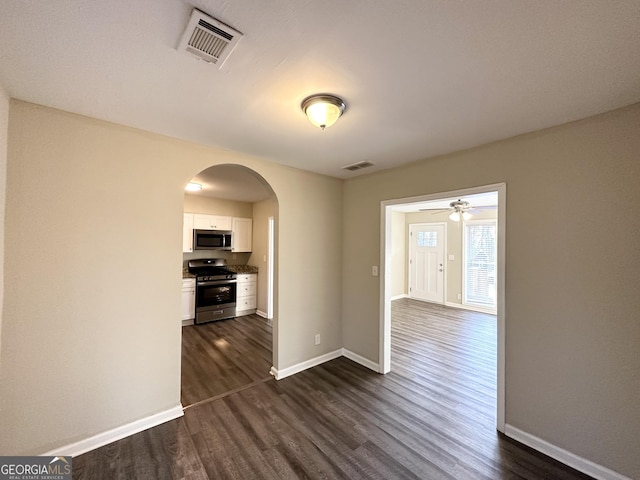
x=426, y=262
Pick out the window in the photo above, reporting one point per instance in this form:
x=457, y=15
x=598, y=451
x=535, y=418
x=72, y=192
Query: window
x=427, y=239
x=480, y=250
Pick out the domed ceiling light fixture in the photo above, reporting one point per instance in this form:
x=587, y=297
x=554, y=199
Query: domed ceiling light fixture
x=323, y=110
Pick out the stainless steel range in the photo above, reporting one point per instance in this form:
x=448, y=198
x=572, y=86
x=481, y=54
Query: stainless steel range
x=215, y=289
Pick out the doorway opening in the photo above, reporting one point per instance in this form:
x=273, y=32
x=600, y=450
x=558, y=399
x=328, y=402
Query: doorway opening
x=238, y=350
x=391, y=272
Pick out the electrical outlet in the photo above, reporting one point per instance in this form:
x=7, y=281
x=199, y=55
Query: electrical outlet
x=317, y=339
x=459, y=296
x=234, y=256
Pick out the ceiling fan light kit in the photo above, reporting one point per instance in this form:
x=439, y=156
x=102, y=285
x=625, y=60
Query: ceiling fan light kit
x=458, y=210
x=323, y=110
x=456, y=215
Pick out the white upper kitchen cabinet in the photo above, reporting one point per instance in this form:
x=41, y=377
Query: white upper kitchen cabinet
x=242, y=234
x=187, y=232
x=202, y=221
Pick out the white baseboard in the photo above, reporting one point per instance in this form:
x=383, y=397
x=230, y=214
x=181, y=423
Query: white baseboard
x=286, y=372
x=118, y=433
x=583, y=465
x=473, y=309
x=342, y=352
x=398, y=297
x=365, y=362
x=261, y=313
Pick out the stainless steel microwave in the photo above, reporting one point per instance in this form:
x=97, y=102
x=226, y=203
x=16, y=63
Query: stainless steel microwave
x=212, y=239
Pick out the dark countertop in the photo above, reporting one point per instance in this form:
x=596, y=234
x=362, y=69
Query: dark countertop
x=246, y=269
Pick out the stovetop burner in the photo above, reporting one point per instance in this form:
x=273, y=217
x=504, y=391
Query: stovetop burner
x=210, y=269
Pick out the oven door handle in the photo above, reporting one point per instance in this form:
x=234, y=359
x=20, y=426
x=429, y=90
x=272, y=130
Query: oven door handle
x=216, y=282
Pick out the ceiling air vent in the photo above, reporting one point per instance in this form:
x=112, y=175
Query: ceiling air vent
x=208, y=39
x=358, y=166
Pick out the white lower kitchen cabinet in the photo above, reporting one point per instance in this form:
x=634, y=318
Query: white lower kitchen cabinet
x=188, y=301
x=247, y=294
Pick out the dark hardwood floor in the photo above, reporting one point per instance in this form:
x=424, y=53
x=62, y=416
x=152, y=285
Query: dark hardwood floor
x=432, y=417
x=220, y=357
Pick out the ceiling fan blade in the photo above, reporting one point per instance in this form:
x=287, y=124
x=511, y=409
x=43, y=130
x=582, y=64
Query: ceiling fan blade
x=486, y=207
x=480, y=209
x=434, y=209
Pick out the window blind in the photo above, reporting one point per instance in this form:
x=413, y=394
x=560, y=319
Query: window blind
x=480, y=263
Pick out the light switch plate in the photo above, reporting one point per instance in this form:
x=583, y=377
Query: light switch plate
x=374, y=270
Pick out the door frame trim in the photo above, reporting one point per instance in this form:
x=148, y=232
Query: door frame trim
x=271, y=227
x=384, y=355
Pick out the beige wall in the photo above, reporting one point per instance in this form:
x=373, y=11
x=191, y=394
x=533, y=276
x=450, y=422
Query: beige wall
x=260, y=251
x=4, y=127
x=217, y=206
x=91, y=330
x=572, y=275
x=454, y=246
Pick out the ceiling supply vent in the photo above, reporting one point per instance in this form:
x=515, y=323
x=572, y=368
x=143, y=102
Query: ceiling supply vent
x=209, y=39
x=358, y=166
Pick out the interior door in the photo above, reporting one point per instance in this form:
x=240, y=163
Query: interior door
x=426, y=262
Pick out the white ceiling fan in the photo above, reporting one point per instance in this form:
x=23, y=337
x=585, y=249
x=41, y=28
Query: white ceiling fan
x=460, y=209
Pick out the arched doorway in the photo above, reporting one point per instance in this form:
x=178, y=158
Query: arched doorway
x=219, y=357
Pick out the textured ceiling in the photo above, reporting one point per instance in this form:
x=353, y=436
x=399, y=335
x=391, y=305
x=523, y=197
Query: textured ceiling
x=420, y=77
